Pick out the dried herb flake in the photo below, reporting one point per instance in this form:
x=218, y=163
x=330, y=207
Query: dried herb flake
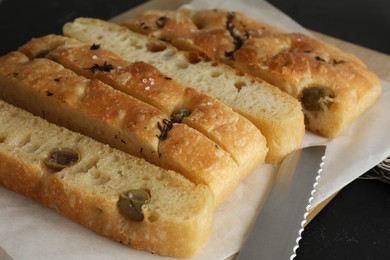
x=105, y=67
x=320, y=59
x=143, y=26
x=94, y=46
x=237, y=40
x=161, y=21
x=336, y=62
x=165, y=128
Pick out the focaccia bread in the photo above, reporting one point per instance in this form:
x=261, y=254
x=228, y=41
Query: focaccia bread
x=93, y=108
x=110, y=192
x=144, y=82
x=278, y=116
x=333, y=87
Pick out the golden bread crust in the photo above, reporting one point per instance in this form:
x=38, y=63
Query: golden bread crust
x=272, y=111
x=125, y=122
x=88, y=191
x=291, y=61
x=143, y=81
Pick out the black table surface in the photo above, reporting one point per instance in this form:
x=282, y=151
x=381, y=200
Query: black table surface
x=356, y=223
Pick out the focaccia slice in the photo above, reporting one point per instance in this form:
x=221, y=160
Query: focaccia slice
x=278, y=116
x=91, y=182
x=146, y=83
x=334, y=87
x=91, y=107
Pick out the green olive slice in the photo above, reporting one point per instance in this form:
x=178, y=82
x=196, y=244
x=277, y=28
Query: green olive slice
x=317, y=99
x=131, y=202
x=60, y=158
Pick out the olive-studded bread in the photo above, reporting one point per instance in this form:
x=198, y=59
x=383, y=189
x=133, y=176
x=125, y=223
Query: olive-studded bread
x=333, y=87
x=110, y=192
x=144, y=82
x=89, y=106
x=278, y=116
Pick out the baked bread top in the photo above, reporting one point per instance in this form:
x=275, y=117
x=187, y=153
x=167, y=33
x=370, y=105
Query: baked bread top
x=209, y=144
x=91, y=181
x=274, y=112
x=334, y=87
x=146, y=83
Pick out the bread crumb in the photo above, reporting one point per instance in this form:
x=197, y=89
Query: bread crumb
x=219, y=153
x=121, y=115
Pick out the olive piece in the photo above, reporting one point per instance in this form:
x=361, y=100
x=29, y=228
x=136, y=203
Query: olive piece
x=178, y=115
x=317, y=98
x=131, y=202
x=60, y=158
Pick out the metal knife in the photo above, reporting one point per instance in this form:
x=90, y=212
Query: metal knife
x=279, y=224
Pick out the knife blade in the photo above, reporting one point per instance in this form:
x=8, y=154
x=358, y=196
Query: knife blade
x=277, y=229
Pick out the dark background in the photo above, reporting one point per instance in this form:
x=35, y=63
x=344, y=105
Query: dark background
x=356, y=223
x=364, y=22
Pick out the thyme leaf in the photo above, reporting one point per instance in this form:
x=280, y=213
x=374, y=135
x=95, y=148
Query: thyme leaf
x=238, y=41
x=143, y=26
x=94, y=46
x=165, y=128
x=161, y=21
x=335, y=62
x=320, y=59
x=105, y=67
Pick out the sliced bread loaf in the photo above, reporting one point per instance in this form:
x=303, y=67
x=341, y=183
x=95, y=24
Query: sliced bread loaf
x=110, y=192
x=144, y=82
x=276, y=114
x=334, y=87
x=93, y=108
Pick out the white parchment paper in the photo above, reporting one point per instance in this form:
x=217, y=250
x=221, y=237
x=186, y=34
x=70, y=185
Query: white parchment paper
x=30, y=231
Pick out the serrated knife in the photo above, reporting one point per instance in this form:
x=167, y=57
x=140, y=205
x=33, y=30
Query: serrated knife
x=278, y=226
